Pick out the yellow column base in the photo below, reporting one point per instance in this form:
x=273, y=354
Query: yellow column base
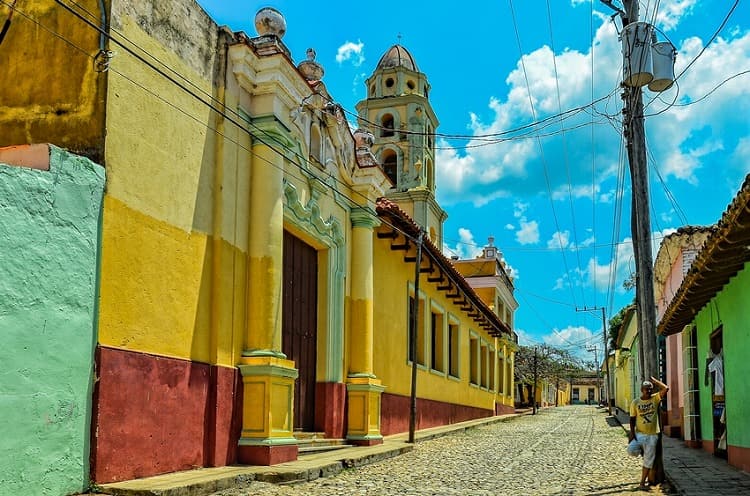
x=267, y=411
x=364, y=410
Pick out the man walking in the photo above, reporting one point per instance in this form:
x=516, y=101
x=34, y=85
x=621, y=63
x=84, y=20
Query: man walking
x=644, y=425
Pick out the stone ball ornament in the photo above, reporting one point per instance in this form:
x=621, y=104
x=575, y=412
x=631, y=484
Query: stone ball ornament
x=269, y=21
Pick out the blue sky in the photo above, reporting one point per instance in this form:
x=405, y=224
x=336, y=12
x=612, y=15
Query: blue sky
x=549, y=198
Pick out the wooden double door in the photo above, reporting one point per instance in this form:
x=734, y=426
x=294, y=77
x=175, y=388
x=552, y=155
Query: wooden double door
x=300, y=324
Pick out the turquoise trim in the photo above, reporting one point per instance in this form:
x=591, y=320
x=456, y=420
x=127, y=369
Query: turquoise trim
x=267, y=371
x=267, y=441
x=263, y=353
x=370, y=388
x=361, y=375
x=308, y=219
x=371, y=437
x=269, y=130
x=364, y=217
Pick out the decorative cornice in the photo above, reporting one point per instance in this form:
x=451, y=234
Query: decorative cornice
x=363, y=217
x=268, y=370
x=311, y=214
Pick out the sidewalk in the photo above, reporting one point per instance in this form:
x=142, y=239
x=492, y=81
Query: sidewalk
x=308, y=467
x=695, y=472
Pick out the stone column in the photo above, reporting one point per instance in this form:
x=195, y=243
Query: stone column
x=363, y=388
x=267, y=376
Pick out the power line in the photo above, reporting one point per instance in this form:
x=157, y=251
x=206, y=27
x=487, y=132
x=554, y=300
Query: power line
x=215, y=109
x=539, y=144
x=565, y=146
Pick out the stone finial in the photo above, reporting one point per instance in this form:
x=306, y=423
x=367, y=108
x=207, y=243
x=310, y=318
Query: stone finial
x=363, y=138
x=310, y=69
x=269, y=21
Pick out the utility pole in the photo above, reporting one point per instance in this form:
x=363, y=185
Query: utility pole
x=413, y=341
x=640, y=220
x=533, y=387
x=595, y=350
x=607, y=387
x=635, y=137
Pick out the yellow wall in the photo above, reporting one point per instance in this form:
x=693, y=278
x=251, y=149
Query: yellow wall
x=43, y=99
x=173, y=265
x=392, y=278
x=473, y=268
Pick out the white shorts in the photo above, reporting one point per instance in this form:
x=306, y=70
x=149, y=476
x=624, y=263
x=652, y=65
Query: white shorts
x=648, y=443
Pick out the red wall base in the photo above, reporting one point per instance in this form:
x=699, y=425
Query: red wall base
x=267, y=455
x=504, y=409
x=394, y=416
x=708, y=445
x=365, y=442
x=154, y=415
x=330, y=400
x=739, y=457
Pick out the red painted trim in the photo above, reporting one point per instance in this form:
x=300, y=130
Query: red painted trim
x=739, y=457
x=394, y=417
x=504, y=409
x=267, y=455
x=155, y=415
x=330, y=400
x=32, y=156
x=365, y=442
x=708, y=445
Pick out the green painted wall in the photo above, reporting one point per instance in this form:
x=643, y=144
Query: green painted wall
x=49, y=239
x=730, y=308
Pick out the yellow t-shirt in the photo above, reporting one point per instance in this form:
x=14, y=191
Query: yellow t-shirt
x=645, y=413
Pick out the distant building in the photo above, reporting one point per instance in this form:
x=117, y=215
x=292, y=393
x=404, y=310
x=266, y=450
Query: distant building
x=488, y=275
x=585, y=390
x=627, y=368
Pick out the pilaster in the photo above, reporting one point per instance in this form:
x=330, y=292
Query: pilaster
x=268, y=411
x=364, y=394
x=363, y=389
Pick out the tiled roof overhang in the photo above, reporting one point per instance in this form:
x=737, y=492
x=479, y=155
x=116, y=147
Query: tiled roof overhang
x=724, y=254
x=440, y=270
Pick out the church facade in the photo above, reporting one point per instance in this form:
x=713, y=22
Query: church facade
x=266, y=273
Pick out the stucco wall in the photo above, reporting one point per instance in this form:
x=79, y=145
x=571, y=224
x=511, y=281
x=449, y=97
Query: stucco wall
x=49, y=225
x=728, y=308
x=66, y=106
x=161, y=165
x=391, y=297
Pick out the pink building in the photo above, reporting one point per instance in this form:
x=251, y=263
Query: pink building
x=676, y=253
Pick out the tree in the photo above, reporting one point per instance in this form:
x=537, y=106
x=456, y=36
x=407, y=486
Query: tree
x=615, y=324
x=534, y=364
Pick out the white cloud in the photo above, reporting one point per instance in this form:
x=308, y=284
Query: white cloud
x=351, y=51
x=510, y=227
x=465, y=247
x=616, y=270
x=671, y=13
x=588, y=241
x=519, y=208
x=525, y=338
x=528, y=233
x=559, y=240
x=682, y=139
x=571, y=336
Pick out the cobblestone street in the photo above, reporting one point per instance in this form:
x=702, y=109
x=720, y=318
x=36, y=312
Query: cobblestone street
x=570, y=450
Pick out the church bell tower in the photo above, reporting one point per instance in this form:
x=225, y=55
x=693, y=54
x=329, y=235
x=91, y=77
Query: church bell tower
x=398, y=113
